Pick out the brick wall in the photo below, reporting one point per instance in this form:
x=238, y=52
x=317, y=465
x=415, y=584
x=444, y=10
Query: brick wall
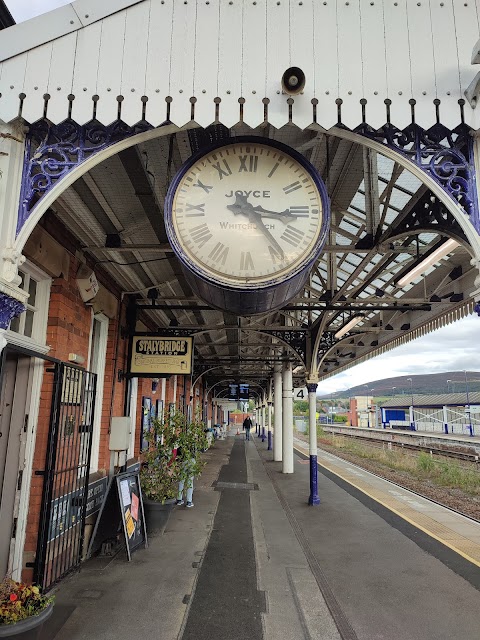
x=68, y=331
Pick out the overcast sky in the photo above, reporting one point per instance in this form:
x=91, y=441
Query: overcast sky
x=452, y=348
x=24, y=9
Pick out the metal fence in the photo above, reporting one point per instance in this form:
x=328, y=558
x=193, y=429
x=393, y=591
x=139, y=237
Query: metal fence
x=67, y=464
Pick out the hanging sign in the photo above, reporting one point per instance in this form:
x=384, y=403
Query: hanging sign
x=153, y=356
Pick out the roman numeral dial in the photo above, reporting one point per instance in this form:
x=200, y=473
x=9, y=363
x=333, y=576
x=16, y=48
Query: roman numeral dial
x=247, y=213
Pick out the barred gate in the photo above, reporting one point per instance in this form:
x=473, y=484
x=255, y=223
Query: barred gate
x=67, y=463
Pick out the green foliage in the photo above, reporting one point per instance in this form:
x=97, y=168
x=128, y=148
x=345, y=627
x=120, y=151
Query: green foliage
x=425, y=462
x=161, y=469
x=443, y=473
x=339, y=418
x=300, y=407
x=19, y=601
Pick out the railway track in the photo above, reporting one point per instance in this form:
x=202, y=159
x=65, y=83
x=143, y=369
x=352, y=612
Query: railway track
x=433, y=451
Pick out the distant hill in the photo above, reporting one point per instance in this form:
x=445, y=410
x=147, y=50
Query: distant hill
x=425, y=383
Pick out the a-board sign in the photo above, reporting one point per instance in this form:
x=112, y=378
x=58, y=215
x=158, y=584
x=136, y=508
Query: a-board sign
x=121, y=512
x=160, y=355
x=131, y=507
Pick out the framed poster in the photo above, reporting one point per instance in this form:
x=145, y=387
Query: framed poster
x=160, y=410
x=145, y=421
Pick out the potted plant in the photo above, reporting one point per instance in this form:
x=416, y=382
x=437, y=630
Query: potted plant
x=162, y=469
x=23, y=610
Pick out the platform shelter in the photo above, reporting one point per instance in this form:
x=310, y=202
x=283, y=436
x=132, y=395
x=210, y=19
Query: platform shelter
x=341, y=221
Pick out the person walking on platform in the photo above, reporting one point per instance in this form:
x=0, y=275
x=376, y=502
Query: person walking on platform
x=247, y=425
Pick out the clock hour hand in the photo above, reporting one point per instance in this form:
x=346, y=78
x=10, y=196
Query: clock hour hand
x=283, y=216
x=241, y=205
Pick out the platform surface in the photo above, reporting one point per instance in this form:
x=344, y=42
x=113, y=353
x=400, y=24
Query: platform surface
x=253, y=561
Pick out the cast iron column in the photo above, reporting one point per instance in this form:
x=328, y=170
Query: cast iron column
x=277, y=409
x=287, y=414
x=263, y=420
x=269, y=447
x=312, y=430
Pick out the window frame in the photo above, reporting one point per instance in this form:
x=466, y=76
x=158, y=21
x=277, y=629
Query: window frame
x=37, y=341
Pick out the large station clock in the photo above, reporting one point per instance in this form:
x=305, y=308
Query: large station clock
x=247, y=219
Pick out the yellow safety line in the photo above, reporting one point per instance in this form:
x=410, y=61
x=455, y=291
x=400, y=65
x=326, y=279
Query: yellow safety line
x=399, y=513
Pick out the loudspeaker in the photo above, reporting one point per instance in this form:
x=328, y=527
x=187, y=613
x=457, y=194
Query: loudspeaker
x=293, y=81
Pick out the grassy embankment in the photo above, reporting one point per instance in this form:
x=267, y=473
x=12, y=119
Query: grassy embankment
x=444, y=473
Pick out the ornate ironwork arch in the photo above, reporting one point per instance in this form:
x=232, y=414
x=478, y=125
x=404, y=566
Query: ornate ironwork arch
x=443, y=154
x=53, y=151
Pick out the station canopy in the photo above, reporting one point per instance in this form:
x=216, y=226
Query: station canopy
x=384, y=221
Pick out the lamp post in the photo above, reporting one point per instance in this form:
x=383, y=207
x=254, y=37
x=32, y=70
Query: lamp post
x=448, y=387
x=393, y=391
x=467, y=406
x=412, y=414
x=373, y=409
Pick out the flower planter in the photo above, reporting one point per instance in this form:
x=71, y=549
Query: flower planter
x=28, y=629
x=156, y=515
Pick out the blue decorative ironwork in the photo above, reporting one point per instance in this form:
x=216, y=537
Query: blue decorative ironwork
x=9, y=308
x=52, y=151
x=445, y=155
x=313, y=498
x=477, y=309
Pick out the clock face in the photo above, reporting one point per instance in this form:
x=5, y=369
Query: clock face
x=247, y=213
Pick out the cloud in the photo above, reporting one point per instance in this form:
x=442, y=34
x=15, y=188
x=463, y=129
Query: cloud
x=452, y=348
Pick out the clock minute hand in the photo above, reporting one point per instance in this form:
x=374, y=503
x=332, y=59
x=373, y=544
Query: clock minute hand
x=255, y=217
x=241, y=205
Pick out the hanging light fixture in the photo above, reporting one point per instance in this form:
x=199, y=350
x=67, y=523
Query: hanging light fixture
x=349, y=325
x=443, y=250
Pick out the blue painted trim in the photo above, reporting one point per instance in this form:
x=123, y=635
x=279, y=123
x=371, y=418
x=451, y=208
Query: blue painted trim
x=269, y=448
x=254, y=297
x=313, y=499
x=445, y=426
x=9, y=308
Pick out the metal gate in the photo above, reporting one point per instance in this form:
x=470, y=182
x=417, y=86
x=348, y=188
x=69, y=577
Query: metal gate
x=67, y=463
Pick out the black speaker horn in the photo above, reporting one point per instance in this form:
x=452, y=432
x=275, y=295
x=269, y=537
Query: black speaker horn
x=293, y=81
